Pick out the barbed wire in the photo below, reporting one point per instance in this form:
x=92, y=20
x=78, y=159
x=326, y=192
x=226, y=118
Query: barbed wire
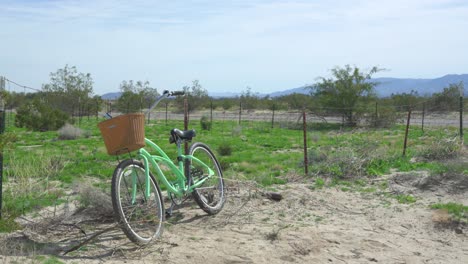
x=355, y=108
x=22, y=86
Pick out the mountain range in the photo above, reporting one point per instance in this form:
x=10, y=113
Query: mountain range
x=386, y=86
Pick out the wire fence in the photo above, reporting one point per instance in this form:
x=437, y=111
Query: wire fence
x=419, y=116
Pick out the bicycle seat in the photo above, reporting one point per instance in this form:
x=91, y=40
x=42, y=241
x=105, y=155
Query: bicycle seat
x=186, y=135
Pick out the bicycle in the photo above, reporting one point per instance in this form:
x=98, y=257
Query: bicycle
x=136, y=196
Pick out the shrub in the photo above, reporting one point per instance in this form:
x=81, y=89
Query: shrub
x=6, y=139
x=205, y=123
x=39, y=116
x=225, y=149
x=69, y=132
x=441, y=150
x=386, y=118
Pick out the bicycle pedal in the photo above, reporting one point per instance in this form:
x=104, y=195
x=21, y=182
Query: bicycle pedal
x=169, y=214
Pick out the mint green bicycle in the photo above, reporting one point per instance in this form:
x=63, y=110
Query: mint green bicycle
x=136, y=196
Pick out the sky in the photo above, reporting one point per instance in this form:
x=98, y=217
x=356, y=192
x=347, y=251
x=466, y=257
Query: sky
x=266, y=45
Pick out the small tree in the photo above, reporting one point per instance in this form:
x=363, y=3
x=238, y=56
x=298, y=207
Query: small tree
x=345, y=91
x=197, y=97
x=135, y=96
x=249, y=99
x=447, y=100
x=69, y=90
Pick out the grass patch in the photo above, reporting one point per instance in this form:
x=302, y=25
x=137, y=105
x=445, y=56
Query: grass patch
x=457, y=211
x=405, y=198
x=250, y=151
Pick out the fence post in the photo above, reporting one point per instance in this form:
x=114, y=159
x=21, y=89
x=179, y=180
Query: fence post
x=186, y=123
x=97, y=109
x=240, y=112
x=423, y=113
x=166, y=112
x=273, y=116
x=149, y=112
x=376, y=114
x=461, y=114
x=406, y=132
x=211, y=114
x=2, y=129
x=306, y=161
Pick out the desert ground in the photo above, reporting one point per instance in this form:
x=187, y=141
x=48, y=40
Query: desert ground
x=309, y=225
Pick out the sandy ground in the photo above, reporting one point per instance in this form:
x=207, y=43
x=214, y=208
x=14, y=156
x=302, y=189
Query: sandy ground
x=308, y=225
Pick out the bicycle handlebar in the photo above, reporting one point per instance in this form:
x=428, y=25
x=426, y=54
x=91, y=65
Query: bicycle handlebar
x=164, y=95
x=176, y=93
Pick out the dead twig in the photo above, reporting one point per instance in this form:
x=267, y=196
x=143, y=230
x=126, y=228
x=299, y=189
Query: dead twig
x=86, y=241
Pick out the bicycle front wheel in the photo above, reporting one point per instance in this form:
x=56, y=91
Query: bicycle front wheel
x=140, y=215
x=210, y=196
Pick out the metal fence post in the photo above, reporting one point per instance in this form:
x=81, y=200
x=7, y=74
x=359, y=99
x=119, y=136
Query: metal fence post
x=2, y=129
x=240, y=112
x=422, y=119
x=461, y=114
x=406, y=132
x=306, y=160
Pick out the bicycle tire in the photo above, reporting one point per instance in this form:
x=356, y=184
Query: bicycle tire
x=141, y=220
x=211, y=195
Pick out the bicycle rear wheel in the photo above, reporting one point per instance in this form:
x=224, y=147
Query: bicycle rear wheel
x=211, y=195
x=141, y=217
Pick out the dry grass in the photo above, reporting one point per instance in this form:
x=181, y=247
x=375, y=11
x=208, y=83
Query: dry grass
x=69, y=132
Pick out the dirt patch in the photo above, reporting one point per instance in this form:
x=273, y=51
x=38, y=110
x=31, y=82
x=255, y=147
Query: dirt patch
x=414, y=182
x=307, y=226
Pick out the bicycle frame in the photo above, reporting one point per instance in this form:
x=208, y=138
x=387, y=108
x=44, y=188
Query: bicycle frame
x=181, y=185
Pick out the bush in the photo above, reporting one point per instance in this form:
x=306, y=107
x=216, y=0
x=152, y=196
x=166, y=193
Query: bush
x=441, y=150
x=386, y=118
x=205, y=123
x=225, y=149
x=39, y=116
x=6, y=139
x=68, y=132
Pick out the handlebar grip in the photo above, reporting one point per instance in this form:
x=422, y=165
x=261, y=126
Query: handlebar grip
x=175, y=93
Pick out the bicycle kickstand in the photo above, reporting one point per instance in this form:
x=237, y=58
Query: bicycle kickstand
x=169, y=211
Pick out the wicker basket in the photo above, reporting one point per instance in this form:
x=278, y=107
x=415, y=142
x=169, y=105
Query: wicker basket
x=123, y=133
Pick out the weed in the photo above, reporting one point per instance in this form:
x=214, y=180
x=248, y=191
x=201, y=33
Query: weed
x=319, y=183
x=274, y=234
x=69, y=132
x=205, y=123
x=225, y=149
x=405, y=199
x=458, y=212
x=237, y=131
x=441, y=149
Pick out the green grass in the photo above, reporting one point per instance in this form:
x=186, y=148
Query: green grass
x=405, y=198
x=252, y=151
x=458, y=211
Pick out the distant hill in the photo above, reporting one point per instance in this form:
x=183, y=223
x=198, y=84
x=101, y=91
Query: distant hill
x=299, y=90
x=386, y=87
x=111, y=96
